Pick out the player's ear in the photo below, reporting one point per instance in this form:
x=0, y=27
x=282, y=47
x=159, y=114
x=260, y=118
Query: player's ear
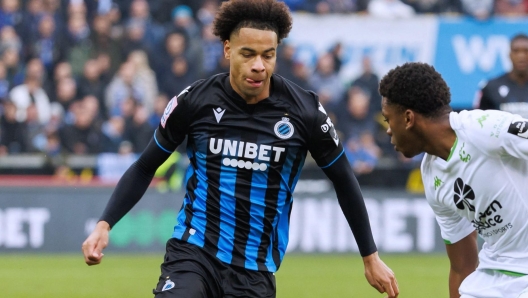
x=227, y=49
x=410, y=118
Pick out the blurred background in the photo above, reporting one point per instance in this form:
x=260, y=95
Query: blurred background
x=83, y=85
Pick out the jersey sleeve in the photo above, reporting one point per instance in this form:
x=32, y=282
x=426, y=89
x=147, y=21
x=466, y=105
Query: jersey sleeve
x=324, y=143
x=174, y=124
x=502, y=134
x=453, y=227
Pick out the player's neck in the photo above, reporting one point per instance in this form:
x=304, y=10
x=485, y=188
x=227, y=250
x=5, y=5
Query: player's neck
x=442, y=140
x=518, y=77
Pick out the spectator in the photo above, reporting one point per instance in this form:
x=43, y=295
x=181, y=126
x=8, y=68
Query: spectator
x=159, y=108
x=13, y=136
x=125, y=85
x=212, y=49
x=137, y=129
x=4, y=84
x=103, y=41
x=90, y=83
x=146, y=76
x=434, y=6
x=479, y=9
x=509, y=91
x=511, y=8
x=175, y=45
x=11, y=15
x=47, y=44
x=9, y=39
x=78, y=39
x=369, y=82
x=66, y=92
x=390, y=9
x=82, y=136
x=179, y=78
x=140, y=12
x=112, y=134
x=31, y=93
x=30, y=20
x=14, y=67
x=326, y=82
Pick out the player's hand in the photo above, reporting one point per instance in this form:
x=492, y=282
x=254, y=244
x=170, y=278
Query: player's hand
x=380, y=276
x=93, y=246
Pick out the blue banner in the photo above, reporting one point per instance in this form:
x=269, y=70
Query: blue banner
x=469, y=52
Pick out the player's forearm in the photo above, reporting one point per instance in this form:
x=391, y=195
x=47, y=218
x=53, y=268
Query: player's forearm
x=352, y=204
x=455, y=279
x=133, y=184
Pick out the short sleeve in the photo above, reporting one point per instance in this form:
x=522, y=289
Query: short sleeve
x=453, y=227
x=501, y=133
x=324, y=143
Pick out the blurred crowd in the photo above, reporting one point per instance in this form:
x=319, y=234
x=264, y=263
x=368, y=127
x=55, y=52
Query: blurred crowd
x=89, y=77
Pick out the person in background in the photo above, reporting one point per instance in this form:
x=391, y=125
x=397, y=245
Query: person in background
x=509, y=91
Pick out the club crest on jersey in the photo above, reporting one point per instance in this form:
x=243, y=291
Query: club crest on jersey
x=284, y=129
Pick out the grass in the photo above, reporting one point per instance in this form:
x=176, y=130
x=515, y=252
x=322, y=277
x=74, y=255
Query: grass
x=301, y=276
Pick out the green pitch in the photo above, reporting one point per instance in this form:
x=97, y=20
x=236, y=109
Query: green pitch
x=300, y=276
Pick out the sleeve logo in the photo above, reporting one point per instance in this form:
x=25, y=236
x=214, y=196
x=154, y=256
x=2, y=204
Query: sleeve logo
x=168, y=110
x=519, y=128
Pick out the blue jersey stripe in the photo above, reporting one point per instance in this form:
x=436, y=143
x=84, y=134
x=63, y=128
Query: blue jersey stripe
x=199, y=209
x=227, y=213
x=281, y=231
x=258, y=190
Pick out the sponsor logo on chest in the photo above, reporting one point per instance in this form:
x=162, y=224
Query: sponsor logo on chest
x=232, y=150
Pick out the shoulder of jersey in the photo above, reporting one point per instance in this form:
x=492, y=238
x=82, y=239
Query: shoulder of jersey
x=303, y=95
x=194, y=91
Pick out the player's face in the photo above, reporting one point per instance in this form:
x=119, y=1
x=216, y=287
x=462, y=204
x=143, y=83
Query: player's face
x=400, y=123
x=519, y=55
x=252, y=55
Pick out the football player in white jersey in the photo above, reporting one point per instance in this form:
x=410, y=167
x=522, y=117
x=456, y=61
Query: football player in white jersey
x=475, y=174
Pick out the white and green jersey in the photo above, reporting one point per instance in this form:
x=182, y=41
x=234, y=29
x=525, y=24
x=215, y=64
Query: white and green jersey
x=483, y=186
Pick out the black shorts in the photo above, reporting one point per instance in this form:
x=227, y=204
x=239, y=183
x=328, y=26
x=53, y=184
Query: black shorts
x=190, y=272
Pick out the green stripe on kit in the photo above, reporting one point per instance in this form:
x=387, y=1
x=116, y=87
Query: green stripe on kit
x=511, y=273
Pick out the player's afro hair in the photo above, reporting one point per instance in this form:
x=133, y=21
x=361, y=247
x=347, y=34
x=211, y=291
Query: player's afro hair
x=417, y=86
x=270, y=15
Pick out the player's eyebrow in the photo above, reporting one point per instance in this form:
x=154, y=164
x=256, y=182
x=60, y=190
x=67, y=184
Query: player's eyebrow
x=253, y=51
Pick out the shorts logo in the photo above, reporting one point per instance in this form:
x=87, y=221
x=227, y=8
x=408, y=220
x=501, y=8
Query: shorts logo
x=519, y=128
x=169, y=284
x=284, y=129
x=464, y=195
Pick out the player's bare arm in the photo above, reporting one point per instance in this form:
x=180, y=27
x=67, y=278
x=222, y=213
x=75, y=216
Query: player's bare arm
x=127, y=193
x=380, y=276
x=463, y=257
x=352, y=204
x=93, y=246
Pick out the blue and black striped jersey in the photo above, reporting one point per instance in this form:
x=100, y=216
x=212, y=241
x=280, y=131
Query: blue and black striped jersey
x=245, y=161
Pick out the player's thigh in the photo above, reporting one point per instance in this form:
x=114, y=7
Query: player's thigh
x=241, y=283
x=182, y=285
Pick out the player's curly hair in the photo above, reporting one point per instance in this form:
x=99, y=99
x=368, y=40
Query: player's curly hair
x=270, y=15
x=417, y=86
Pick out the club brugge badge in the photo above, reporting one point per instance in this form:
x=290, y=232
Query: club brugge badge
x=284, y=129
x=169, y=284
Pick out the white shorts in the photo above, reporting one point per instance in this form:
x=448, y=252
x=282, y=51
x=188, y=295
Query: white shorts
x=486, y=283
